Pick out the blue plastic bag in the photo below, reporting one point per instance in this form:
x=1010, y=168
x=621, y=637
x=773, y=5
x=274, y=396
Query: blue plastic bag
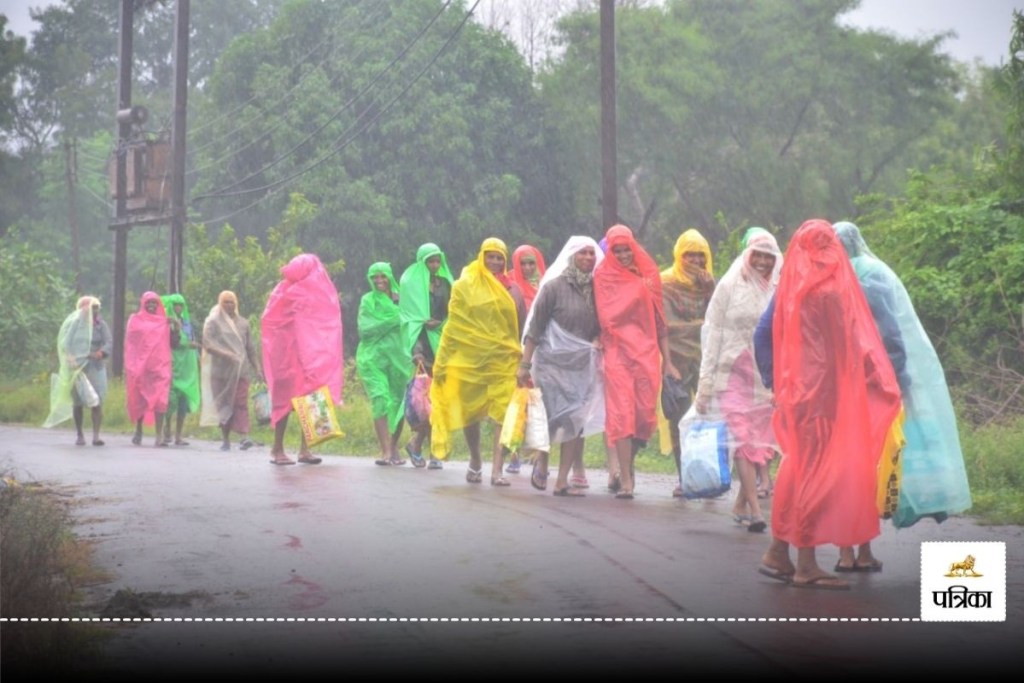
x=704, y=462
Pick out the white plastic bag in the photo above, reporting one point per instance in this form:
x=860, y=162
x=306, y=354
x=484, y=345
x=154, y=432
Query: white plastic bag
x=704, y=462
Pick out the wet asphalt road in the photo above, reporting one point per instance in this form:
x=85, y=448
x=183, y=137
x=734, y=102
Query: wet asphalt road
x=355, y=545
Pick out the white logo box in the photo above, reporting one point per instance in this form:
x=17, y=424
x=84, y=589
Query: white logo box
x=963, y=581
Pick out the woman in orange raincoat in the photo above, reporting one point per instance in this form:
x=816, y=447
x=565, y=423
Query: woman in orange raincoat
x=836, y=397
x=627, y=293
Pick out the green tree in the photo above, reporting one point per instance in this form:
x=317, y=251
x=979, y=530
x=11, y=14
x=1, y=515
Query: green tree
x=36, y=296
x=461, y=154
x=734, y=113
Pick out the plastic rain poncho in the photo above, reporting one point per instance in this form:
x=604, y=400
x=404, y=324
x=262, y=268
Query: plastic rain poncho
x=567, y=369
x=224, y=358
x=184, y=359
x=730, y=386
x=933, y=480
x=685, y=297
x=415, y=302
x=147, y=361
x=301, y=335
x=836, y=397
x=381, y=359
x=629, y=310
x=74, y=347
x=475, y=367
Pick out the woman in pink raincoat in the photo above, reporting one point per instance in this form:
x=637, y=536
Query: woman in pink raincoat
x=302, y=345
x=147, y=365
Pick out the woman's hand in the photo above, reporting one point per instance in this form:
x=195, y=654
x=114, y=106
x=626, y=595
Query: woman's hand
x=523, y=378
x=700, y=404
x=671, y=371
x=431, y=324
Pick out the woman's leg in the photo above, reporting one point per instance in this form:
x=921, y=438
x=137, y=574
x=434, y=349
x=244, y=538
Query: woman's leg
x=568, y=453
x=472, y=434
x=159, y=430
x=624, y=454
x=97, y=421
x=78, y=412
x=746, y=499
x=277, y=451
x=395, y=436
x=137, y=438
x=380, y=428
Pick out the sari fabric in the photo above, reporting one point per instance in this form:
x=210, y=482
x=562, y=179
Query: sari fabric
x=147, y=361
x=933, y=479
x=474, y=372
x=414, y=303
x=381, y=358
x=184, y=359
x=227, y=349
x=629, y=310
x=836, y=397
x=527, y=287
x=301, y=335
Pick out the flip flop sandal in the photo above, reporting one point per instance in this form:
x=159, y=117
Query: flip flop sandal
x=382, y=462
x=137, y=440
x=282, y=462
x=435, y=465
x=624, y=494
x=416, y=458
x=514, y=466
x=615, y=484
x=568, y=492
x=757, y=526
x=397, y=462
x=80, y=441
x=826, y=583
x=245, y=445
x=499, y=481
x=538, y=480
x=98, y=442
x=777, y=574
x=311, y=460
x=579, y=482
x=474, y=476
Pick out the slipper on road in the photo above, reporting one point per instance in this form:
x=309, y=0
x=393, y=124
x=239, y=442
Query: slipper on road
x=825, y=582
x=777, y=574
x=874, y=566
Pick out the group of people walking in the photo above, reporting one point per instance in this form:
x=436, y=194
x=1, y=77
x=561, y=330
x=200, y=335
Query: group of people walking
x=816, y=355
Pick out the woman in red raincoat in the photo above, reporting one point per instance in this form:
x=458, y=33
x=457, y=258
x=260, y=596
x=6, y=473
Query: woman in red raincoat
x=627, y=293
x=147, y=365
x=836, y=397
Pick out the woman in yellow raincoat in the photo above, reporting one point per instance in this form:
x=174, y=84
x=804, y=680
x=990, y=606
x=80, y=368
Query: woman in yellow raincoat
x=475, y=365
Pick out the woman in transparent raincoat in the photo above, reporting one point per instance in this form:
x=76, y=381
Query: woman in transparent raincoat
x=83, y=345
x=561, y=354
x=730, y=388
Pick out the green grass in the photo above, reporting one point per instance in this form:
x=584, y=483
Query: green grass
x=992, y=454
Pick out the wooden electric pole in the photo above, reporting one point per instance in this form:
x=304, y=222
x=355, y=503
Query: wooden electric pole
x=181, y=26
x=121, y=225
x=609, y=183
x=70, y=164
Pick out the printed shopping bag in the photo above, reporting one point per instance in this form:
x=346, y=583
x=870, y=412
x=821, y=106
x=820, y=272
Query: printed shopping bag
x=417, y=399
x=513, y=427
x=316, y=416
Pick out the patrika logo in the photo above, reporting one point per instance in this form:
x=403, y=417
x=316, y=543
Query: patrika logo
x=959, y=569
x=953, y=588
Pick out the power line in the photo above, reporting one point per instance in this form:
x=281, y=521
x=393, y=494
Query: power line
x=277, y=185
x=222, y=191
x=280, y=120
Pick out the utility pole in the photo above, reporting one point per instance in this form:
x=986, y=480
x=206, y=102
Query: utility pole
x=121, y=226
x=181, y=27
x=69, y=178
x=609, y=183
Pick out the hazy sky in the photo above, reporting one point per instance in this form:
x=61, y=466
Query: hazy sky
x=982, y=26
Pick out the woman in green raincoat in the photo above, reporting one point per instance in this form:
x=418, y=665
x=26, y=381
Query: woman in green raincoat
x=426, y=289
x=381, y=359
x=184, y=398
